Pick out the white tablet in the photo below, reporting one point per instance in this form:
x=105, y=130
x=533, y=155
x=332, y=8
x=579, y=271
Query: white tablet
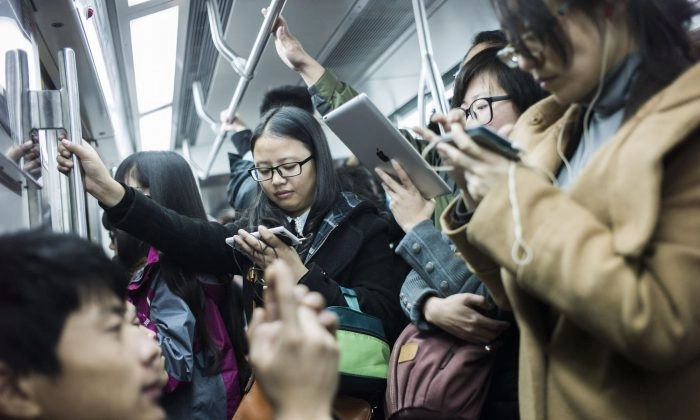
x=374, y=140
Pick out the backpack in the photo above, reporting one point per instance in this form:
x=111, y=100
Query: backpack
x=435, y=375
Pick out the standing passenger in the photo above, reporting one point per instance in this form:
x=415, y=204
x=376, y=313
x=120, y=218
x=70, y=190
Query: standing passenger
x=448, y=296
x=196, y=317
x=67, y=351
x=345, y=241
x=601, y=270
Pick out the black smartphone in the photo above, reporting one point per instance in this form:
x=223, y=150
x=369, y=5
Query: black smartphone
x=488, y=139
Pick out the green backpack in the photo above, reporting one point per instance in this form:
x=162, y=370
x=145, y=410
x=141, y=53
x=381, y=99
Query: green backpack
x=364, y=349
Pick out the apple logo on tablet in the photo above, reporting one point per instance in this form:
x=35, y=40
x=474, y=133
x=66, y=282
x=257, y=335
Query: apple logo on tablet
x=382, y=156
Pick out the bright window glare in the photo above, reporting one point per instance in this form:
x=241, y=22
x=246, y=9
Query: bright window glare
x=155, y=129
x=135, y=2
x=13, y=37
x=154, y=45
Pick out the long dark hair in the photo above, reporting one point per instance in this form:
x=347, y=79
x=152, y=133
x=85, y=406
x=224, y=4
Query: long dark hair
x=171, y=183
x=660, y=28
x=302, y=126
x=520, y=85
x=131, y=251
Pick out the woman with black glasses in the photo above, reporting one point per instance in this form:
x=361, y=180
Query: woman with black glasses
x=345, y=243
x=596, y=248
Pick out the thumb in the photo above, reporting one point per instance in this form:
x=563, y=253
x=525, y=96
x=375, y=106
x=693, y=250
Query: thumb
x=281, y=33
x=81, y=149
x=475, y=301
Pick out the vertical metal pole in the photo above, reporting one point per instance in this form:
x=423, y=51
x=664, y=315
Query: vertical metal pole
x=72, y=124
x=17, y=90
x=434, y=80
x=273, y=12
x=421, y=97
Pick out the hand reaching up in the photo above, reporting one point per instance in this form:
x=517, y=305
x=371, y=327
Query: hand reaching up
x=292, y=53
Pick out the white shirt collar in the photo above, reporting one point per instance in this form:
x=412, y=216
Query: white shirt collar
x=300, y=221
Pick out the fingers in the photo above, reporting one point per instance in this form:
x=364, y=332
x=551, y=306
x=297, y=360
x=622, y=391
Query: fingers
x=269, y=238
x=476, y=301
x=259, y=316
x=313, y=300
x=425, y=134
x=281, y=288
x=280, y=23
x=482, y=321
x=388, y=182
x=403, y=176
x=456, y=157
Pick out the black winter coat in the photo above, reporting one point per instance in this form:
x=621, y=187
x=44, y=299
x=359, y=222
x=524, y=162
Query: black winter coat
x=355, y=253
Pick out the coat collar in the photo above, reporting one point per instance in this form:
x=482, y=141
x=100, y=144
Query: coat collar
x=630, y=162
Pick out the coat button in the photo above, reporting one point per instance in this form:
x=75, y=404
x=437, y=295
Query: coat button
x=444, y=285
x=429, y=267
x=416, y=247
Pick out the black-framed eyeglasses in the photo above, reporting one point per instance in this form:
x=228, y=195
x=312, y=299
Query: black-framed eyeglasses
x=481, y=110
x=529, y=44
x=285, y=170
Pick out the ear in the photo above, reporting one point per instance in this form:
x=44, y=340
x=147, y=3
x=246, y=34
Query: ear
x=15, y=401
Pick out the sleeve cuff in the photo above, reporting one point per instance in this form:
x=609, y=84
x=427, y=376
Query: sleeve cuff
x=119, y=210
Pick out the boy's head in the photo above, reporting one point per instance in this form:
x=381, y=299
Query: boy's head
x=67, y=350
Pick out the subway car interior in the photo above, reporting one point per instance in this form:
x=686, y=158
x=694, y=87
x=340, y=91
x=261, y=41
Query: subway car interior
x=158, y=74
x=540, y=260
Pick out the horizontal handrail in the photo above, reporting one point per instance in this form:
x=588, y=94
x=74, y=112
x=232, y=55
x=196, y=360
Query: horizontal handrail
x=217, y=35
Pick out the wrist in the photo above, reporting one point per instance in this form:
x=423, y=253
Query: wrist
x=311, y=71
x=409, y=225
x=431, y=309
x=110, y=193
x=300, y=272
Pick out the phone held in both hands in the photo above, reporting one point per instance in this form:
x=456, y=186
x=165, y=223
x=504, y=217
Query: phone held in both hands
x=281, y=232
x=488, y=139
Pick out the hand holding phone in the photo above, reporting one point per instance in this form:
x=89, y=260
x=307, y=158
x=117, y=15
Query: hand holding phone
x=282, y=233
x=488, y=139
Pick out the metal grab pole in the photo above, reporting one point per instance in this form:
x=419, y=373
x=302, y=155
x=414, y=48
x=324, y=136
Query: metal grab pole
x=17, y=88
x=260, y=41
x=421, y=97
x=437, y=89
x=199, y=105
x=217, y=35
x=72, y=124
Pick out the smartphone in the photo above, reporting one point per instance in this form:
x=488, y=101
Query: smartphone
x=280, y=232
x=488, y=139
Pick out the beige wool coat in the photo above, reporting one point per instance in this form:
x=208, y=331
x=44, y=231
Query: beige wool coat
x=609, y=307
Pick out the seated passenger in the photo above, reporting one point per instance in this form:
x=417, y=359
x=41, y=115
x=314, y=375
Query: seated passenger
x=67, y=350
x=197, y=317
x=600, y=267
x=345, y=241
